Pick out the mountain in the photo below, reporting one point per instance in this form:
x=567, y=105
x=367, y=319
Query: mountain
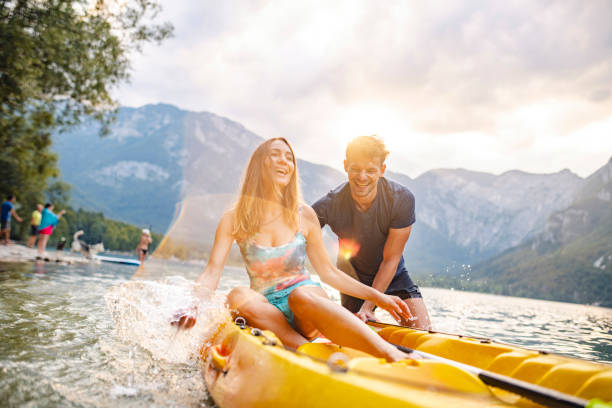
x=469, y=216
x=570, y=260
x=163, y=166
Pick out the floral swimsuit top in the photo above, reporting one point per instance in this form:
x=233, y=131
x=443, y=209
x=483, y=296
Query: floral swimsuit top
x=275, y=268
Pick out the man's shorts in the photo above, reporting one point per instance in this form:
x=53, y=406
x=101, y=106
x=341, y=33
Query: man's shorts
x=4, y=225
x=354, y=304
x=33, y=230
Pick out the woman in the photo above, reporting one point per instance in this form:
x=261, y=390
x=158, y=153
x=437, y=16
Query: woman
x=48, y=222
x=275, y=233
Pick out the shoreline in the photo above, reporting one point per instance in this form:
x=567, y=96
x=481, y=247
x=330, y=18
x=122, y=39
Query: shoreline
x=22, y=254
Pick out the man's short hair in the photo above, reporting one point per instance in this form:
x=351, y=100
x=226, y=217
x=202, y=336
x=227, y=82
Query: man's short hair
x=371, y=147
x=9, y=197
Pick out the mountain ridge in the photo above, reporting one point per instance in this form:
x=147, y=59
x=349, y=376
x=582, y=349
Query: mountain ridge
x=157, y=155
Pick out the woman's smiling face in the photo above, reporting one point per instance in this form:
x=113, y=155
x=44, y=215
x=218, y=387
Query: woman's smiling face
x=280, y=163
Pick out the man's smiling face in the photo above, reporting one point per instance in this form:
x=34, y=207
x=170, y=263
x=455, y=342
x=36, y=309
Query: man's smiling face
x=363, y=174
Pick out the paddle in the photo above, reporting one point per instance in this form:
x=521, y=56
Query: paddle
x=536, y=393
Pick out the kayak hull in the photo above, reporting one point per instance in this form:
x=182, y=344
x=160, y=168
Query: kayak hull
x=245, y=367
x=246, y=370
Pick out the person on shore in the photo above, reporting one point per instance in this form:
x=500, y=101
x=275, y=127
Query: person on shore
x=372, y=217
x=34, y=223
x=8, y=209
x=48, y=222
x=276, y=232
x=143, y=245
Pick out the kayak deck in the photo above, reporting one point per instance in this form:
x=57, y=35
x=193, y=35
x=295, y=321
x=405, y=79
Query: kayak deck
x=580, y=378
x=245, y=367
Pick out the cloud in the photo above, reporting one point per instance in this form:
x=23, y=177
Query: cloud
x=447, y=84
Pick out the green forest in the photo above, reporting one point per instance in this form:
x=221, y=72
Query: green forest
x=59, y=61
x=115, y=235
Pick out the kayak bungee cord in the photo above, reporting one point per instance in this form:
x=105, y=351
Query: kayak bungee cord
x=483, y=340
x=541, y=395
x=536, y=393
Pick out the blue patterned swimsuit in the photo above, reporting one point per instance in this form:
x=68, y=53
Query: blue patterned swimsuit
x=276, y=271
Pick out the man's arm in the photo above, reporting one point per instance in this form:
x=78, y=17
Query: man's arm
x=392, y=253
x=14, y=213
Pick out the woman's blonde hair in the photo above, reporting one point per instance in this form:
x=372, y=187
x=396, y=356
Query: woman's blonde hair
x=249, y=210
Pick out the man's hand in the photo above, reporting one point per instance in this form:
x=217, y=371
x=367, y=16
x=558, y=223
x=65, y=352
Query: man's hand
x=395, y=306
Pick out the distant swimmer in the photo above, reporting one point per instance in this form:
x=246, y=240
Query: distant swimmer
x=8, y=209
x=34, y=223
x=143, y=245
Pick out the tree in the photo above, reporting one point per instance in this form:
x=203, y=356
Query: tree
x=59, y=61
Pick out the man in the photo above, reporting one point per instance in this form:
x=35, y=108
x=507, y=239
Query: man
x=34, y=223
x=8, y=209
x=373, y=217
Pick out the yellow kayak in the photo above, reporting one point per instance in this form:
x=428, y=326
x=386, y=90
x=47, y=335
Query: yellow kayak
x=247, y=367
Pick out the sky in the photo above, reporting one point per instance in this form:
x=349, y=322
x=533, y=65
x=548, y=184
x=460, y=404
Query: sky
x=481, y=85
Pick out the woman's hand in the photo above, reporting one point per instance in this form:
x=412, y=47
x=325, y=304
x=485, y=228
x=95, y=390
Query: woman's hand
x=184, y=318
x=365, y=315
x=394, y=305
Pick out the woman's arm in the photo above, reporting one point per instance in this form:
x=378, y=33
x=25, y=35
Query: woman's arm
x=209, y=278
x=332, y=276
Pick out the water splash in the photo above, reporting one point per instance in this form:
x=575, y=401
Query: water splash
x=142, y=310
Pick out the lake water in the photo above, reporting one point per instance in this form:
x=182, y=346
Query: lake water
x=89, y=335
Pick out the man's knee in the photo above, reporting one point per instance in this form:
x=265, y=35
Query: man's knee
x=420, y=319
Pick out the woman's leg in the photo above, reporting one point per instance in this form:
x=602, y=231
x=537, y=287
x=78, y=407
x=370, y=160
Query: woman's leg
x=258, y=312
x=42, y=244
x=312, y=308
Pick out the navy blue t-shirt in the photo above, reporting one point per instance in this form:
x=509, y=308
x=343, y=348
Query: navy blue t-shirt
x=393, y=207
x=5, y=214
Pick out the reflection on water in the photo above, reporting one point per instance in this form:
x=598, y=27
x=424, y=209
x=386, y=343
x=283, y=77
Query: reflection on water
x=85, y=335
x=564, y=328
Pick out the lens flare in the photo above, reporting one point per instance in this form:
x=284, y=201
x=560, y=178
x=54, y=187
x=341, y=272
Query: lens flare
x=347, y=248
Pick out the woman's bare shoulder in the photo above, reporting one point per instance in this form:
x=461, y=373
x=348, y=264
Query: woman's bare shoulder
x=309, y=216
x=227, y=219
